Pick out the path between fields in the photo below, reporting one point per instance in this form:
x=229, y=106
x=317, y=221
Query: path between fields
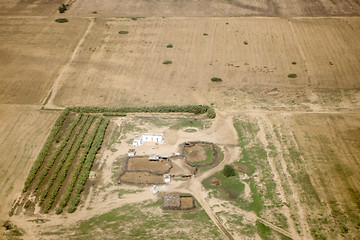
x=57, y=82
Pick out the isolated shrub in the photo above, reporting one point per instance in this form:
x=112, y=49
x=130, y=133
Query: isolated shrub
x=205, y=34
x=61, y=20
x=246, y=43
x=167, y=62
x=229, y=171
x=293, y=63
x=216, y=79
x=169, y=46
x=62, y=8
x=123, y=32
x=292, y=75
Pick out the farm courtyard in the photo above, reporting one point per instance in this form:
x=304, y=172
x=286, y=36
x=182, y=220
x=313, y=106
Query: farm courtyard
x=270, y=89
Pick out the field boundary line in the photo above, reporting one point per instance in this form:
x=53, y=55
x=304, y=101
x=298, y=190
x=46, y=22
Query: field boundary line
x=56, y=85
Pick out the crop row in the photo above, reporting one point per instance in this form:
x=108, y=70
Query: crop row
x=84, y=175
x=114, y=114
x=67, y=165
x=61, y=162
x=50, y=162
x=78, y=168
x=196, y=109
x=44, y=151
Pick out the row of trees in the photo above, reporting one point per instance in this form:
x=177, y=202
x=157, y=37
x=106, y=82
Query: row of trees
x=61, y=162
x=85, y=171
x=44, y=151
x=68, y=163
x=50, y=162
x=196, y=109
x=71, y=185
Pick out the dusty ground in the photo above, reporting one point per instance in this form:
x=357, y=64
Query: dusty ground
x=32, y=52
x=218, y=8
x=144, y=164
x=308, y=126
x=23, y=132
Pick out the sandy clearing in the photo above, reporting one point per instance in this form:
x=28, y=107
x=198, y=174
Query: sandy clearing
x=23, y=132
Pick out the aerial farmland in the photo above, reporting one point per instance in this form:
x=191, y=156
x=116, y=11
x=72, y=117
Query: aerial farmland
x=216, y=119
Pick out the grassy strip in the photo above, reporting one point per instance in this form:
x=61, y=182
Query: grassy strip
x=44, y=151
x=68, y=164
x=84, y=175
x=60, y=163
x=196, y=109
x=78, y=168
x=57, y=152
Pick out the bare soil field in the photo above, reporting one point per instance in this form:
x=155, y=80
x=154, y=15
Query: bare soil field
x=331, y=50
x=128, y=68
x=293, y=139
x=142, y=178
x=216, y=8
x=330, y=148
x=33, y=8
x=143, y=163
x=23, y=132
x=32, y=52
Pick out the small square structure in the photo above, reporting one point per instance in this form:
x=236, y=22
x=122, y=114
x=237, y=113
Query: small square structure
x=131, y=152
x=137, y=142
x=171, y=202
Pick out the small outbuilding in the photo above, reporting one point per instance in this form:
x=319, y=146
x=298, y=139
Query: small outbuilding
x=171, y=202
x=131, y=152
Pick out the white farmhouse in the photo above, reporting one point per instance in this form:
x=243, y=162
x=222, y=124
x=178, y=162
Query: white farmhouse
x=148, y=137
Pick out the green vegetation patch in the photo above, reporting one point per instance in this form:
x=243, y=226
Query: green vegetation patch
x=208, y=154
x=228, y=188
x=167, y=62
x=145, y=221
x=292, y=75
x=123, y=32
x=169, y=46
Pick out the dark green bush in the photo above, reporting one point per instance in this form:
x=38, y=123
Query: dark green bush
x=167, y=62
x=292, y=75
x=62, y=8
x=123, y=32
x=293, y=63
x=169, y=46
x=205, y=34
x=246, y=43
x=61, y=20
x=229, y=171
x=216, y=79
